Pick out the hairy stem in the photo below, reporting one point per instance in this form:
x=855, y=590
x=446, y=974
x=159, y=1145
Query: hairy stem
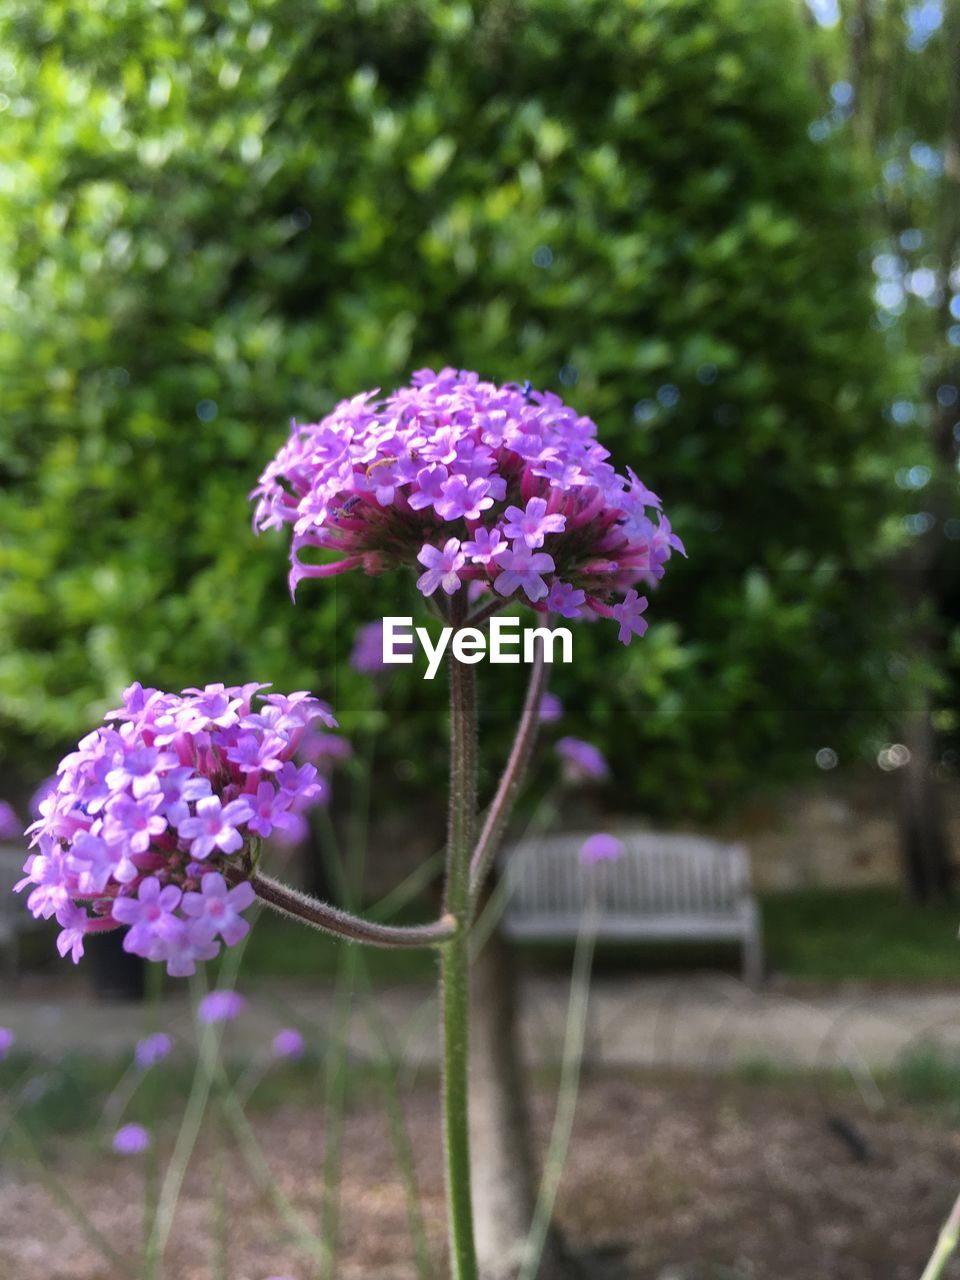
x=329, y=919
x=498, y=815
x=455, y=958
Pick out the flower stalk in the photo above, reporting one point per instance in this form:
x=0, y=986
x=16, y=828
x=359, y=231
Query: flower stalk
x=301, y=906
x=498, y=815
x=946, y=1243
x=455, y=958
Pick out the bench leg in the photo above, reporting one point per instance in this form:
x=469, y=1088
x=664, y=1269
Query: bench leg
x=753, y=952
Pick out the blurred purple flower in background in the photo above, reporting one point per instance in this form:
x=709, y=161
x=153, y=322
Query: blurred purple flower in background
x=289, y=1043
x=221, y=1006
x=10, y=825
x=152, y=1049
x=7, y=1039
x=582, y=762
x=367, y=655
x=46, y=787
x=131, y=1140
x=600, y=848
x=551, y=708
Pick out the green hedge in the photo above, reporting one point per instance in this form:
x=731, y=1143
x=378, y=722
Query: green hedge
x=215, y=217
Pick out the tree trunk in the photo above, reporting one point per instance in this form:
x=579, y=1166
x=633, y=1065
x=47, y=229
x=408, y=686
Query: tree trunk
x=925, y=851
x=505, y=1181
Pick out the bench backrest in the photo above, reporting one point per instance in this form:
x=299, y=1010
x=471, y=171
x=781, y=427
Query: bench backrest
x=656, y=875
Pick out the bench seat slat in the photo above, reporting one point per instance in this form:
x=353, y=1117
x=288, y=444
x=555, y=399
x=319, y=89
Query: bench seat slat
x=663, y=886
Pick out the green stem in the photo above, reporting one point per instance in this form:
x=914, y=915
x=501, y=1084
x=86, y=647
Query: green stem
x=573, y=1042
x=455, y=959
x=946, y=1244
x=498, y=815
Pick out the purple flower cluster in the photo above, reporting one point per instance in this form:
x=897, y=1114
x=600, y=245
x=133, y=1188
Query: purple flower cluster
x=501, y=488
x=155, y=816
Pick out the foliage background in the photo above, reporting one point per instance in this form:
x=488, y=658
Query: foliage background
x=215, y=217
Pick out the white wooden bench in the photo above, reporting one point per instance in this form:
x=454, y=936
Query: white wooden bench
x=14, y=916
x=662, y=887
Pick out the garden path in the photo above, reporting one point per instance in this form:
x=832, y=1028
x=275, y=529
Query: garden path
x=703, y=1021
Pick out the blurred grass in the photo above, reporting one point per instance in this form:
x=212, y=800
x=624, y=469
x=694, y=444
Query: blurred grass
x=869, y=934
x=67, y=1097
x=831, y=934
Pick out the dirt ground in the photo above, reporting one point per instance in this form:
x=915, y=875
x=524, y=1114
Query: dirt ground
x=686, y=1179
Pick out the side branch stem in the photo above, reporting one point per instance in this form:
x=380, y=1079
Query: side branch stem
x=945, y=1246
x=321, y=915
x=498, y=815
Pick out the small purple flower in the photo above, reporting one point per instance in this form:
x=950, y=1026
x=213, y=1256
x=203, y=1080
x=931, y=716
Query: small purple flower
x=367, y=654
x=566, y=600
x=485, y=545
x=191, y=942
x=134, y=823
x=138, y=770
x=254, y=752
x=10, y=825
x=131, y=1140
x=219, y=907
x=521, y=569
x=442, y=567
x=429, y=491
x=152, y=1049
x=215, y=826
x=301, y=785
x=531, y=526
x=7, y=1039
x=551, y=708
x=600, y=848
x=150, y=916
x=94, y=861
x=463, y=500
x=74, y=924
x=289, y=1043
x=582, y=760
x=221, y=1006
x=180, y=788
x=627, y=613
x=270, y=809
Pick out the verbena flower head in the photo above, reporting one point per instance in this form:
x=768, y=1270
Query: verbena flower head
x=289, y=1043
x=501, y=488
x=551, y=708
x=10, y=824
x=155, y=819
x=600, y=848
x=7, y=1039
x=582, y=761
x=221, y=1006
x=131, y=1140
x=152, y=1049
x=367, y=654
